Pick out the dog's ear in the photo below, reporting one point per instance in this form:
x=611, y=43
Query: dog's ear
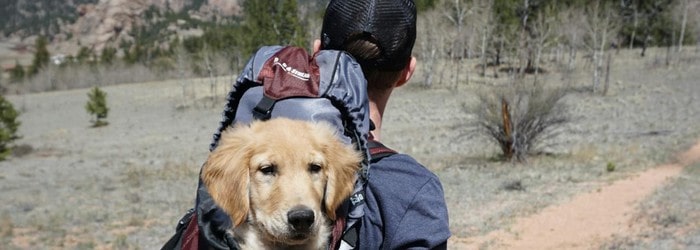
x=343, y=163
x=226, y=173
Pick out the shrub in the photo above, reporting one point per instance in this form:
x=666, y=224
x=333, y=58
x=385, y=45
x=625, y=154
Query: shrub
x=610, y=167
x=85, y=55
x=8, y=127
x=22, y=150
x=17, y=73
x=97, y=106
x=108, y=55
x=519, y=118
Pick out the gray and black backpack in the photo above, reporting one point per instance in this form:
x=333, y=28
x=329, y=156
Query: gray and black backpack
x=287, y=82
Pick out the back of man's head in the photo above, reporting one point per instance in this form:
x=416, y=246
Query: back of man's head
x=380, y=34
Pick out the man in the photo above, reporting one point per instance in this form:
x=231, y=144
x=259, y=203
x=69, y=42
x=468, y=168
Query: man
x=405, y=204
x=405, y=201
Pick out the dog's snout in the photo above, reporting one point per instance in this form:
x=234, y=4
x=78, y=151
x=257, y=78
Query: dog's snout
x=301, y=218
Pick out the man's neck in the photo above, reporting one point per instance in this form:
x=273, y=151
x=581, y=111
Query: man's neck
x=376, y=118
x=377, y=104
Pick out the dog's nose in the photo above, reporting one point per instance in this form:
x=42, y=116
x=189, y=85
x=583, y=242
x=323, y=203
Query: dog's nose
x=301, y=218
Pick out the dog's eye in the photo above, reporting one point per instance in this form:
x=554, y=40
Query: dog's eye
x=315, y=168
x=268, y=169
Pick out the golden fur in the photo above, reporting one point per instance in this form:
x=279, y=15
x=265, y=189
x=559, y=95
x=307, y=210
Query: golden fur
x=261, y=172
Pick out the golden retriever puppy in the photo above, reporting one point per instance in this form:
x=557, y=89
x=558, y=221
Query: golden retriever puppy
x=281, y=182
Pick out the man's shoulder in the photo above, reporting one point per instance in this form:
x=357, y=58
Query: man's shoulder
x=403, y=195
x=401, y=174
x=399, y=166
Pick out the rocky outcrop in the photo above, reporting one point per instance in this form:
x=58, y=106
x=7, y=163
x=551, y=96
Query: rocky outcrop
x=222, y=8
x=109, y=22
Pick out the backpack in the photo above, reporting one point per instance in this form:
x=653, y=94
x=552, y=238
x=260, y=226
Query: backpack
x=287, y=82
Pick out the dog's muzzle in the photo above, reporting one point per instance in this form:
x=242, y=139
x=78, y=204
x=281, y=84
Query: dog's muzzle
x=301, y=218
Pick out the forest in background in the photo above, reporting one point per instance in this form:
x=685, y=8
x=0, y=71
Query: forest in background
x=503, y=37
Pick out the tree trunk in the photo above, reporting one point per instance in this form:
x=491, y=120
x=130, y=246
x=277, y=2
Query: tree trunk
x=668, y=49
x=644, y=45
x=572, y=55
x=181, y=66
x=212, y=80
x=596, y=70
x=607, y=75
x=430, y=70
x=634, y=28
x=683, y=23
x=483, y=51
x=647, y=31
x=500, y=49
x=524, y=60
x=537, y=60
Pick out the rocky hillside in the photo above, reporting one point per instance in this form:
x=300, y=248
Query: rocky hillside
x=71, y=24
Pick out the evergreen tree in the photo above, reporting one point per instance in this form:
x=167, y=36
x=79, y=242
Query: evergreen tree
x=108, y=55
x=424, y=5
x=97, y=106
x=290, y=31
x=8, y=126
x=41, y=55
x=258, y=24
x=136, y=54
x=275, y=23
x=84, y=55
x=17, y=73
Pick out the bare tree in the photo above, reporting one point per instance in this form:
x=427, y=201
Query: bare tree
x=208, y=65
x=600, y=24
x=543, y=36
x=695, y=16
x=484, y=19
x=684, y=7
x=523, y=47
x=181, y=66
x=607, y=75
x=572, y=32
x=456, y=12
x=631, y=10
x=430, y=45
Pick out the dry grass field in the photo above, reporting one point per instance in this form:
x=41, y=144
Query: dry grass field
x=125, y=185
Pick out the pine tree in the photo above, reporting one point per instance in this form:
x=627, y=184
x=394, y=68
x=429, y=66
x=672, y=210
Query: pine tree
x=84, y=55
x=258, y=24
x=290, y=31
x=108, y=55
x=424, y=5
x=97, y=106
x=8, y=127
x=272, y=24
x=17, y=73
x=41, y=56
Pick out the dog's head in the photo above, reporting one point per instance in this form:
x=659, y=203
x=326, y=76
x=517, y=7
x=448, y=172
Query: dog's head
x=282, y=175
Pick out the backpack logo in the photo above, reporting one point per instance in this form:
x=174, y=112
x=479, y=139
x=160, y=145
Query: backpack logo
x=290, y=70
x=357, y=198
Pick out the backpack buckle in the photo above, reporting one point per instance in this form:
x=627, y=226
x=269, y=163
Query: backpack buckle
x=263, y=111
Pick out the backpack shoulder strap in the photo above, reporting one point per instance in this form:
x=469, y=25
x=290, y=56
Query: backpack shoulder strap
x=377, y=150
x=350, y=238
x=186, y=233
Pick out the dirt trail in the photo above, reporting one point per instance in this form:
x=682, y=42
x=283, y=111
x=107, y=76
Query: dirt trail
x=588, y=219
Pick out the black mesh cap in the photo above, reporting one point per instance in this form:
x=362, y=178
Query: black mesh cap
x=389, y=23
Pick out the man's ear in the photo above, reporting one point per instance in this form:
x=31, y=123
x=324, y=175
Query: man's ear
x=317, y=45
x=407, y=72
